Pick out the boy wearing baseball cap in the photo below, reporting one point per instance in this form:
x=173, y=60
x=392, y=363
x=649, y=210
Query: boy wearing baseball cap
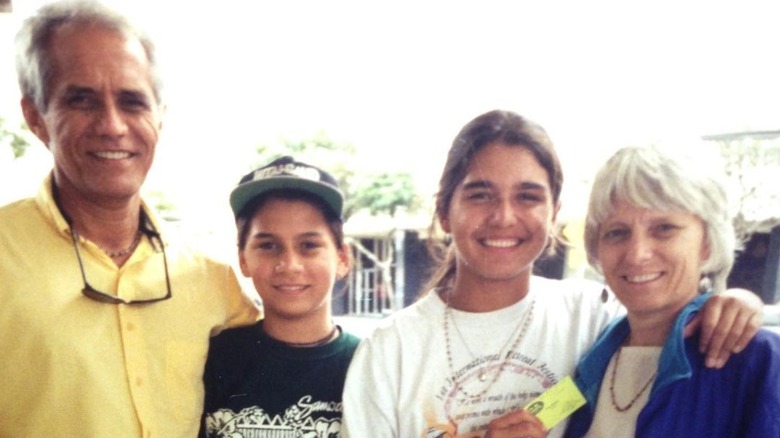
x=285, y=373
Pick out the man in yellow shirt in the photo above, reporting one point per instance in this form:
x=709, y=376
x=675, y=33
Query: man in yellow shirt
x=105, y=322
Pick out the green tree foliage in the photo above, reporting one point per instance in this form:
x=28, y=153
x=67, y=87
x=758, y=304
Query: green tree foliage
x=379, y=193
x=386, y=193
x=14, y=137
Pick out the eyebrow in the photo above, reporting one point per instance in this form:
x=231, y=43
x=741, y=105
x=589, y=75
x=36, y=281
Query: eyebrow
x=472, y=185
x=306, y=235
x=73, y=89
x=484, y=184
x=76, y=89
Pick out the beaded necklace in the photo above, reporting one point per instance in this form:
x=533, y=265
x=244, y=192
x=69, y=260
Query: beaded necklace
x=126, y=251
x=482, y=377
x=612, y=386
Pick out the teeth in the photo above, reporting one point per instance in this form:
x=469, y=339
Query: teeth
x=113, y=155
x=290, y=288
x=502, y=243
x=642, y=278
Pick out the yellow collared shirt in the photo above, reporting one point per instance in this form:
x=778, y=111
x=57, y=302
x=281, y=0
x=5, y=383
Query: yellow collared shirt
x=71, y=366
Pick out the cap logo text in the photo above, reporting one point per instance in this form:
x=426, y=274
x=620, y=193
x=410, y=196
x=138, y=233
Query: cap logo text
x=289, y=169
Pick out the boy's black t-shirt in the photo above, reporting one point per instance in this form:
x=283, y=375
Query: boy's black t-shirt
x=259, y=387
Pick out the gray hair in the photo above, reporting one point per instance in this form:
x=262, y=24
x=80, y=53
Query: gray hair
x=649, y=178
x=34, y=65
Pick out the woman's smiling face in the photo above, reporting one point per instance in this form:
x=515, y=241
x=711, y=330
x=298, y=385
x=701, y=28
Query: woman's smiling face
x=652, y=259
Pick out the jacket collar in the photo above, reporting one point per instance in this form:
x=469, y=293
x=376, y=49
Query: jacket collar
x=673, y=363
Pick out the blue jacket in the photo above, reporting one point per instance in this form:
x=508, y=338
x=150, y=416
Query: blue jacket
x=742, y=399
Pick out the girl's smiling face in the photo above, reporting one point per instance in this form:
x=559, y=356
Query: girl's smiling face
x=500, y=215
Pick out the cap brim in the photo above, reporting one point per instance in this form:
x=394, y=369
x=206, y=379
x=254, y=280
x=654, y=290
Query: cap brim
x=244, y=193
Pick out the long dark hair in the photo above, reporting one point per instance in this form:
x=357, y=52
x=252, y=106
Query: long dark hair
x=507, y=128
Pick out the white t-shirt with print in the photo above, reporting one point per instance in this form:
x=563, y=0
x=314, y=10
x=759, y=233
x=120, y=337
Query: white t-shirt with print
x=401, y=383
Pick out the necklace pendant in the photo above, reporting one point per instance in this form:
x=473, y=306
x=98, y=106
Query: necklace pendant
x=482, y=376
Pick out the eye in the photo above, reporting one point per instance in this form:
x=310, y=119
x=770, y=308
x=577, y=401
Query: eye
x=267, y=246
x=479, y=196
x=81, y=101
x=530, y=197
x=310, y=245
x=665, y=229
x=133, y=102
x=614, y=234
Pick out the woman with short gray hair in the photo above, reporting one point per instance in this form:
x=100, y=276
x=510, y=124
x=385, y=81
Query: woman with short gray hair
x=658, y=228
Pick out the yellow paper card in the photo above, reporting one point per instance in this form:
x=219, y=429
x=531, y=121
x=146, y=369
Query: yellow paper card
x=557, y=403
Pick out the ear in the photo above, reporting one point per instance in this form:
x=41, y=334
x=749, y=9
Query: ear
x=444, y=220
x=34, y=120
x=163, y=111
x=706, y=252
x=243, y=265
x=555, y=211
x=344, y=262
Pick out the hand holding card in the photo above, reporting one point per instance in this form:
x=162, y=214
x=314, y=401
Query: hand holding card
x=557, y=403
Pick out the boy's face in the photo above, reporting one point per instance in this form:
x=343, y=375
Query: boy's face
x=292, y=258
